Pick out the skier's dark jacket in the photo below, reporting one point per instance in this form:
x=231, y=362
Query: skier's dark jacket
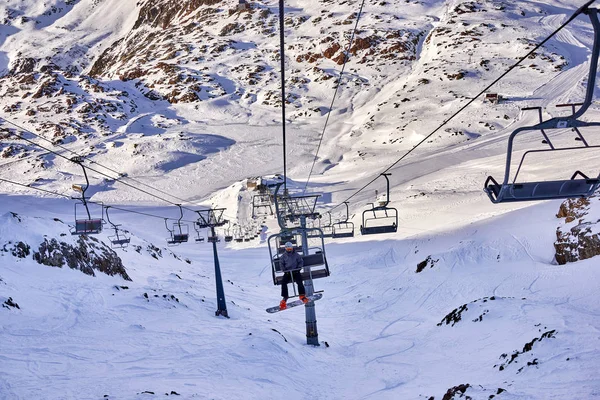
x=291, y=261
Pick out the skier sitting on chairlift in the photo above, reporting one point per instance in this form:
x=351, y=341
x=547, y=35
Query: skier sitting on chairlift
x=291, y=263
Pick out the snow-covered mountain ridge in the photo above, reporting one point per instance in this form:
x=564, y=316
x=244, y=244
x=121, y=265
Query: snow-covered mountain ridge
x=217, y=62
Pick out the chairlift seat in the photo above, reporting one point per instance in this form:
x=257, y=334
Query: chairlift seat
x=180, y=237
x=340, y=235
x=545, y=190
x=311, y=260
x=213, y=239
x=342, y=230
x=228, y=238
x=87, y=226
x=200, y=239
x=372, y=230
x=120, y=242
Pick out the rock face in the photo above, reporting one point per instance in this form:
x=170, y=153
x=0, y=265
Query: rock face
x=577, y=238
x=87, y=255
x=48, y=243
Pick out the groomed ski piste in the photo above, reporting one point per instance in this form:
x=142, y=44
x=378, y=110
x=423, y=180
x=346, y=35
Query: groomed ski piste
x=489, y=315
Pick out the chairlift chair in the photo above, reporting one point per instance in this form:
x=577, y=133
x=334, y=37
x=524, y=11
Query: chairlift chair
x=238, y=236
x=328, y=229
x=262, y=204
x=84, y=223
x=580, y=185
x=314, y=233
x=313, y=257
x=199, y=237
x=381, y=218
x=179, y=232
x=119, y=240
x=343, y=228
x=228, y=237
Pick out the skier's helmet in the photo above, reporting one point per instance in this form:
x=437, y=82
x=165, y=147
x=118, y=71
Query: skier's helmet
x=289, y=246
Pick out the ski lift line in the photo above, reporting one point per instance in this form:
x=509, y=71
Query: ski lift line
x=337, y=86
x=91, y=202
x=121, y=175
x=580, y=10
x=98, y=172
x=35, y=188
x=282, y=60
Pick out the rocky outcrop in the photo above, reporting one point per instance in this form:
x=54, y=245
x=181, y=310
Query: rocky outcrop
x=87, y=255
x=577, y=238
x=47, y=242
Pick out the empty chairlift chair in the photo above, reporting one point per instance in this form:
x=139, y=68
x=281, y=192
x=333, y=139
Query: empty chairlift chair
x=238, y=235
x=179, y=232
x=380, y=218
x=85, y=224
x=199, y=237
x=262, y=204
x=327, y=230
x=119, y=239
x=579, y=185
x=343, y=228
x=228, y=237
x=516, y=190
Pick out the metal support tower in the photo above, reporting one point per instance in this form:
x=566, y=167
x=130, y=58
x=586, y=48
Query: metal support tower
x=298, y=208
x=312, y=335
x=210, y=219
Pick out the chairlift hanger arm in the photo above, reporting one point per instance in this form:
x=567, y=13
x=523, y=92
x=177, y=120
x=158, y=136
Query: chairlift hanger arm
x=591, y=83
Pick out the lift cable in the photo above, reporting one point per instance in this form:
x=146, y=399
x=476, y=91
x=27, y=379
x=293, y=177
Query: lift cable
x=121, y=175
x=91, y=202
x=579, y=11
x=282, y=59
x=98, y=172
x=337, y=86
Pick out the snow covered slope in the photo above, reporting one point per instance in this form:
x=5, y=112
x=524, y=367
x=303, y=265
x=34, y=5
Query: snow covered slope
x=488, y=309
x=465, y=300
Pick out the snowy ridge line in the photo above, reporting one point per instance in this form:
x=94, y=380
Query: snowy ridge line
x=337, y=86
x=121, y=175
x=91, y=201
x=523, y=58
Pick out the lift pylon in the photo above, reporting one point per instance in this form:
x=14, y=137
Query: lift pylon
x=292, y=213
x=213, y=218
